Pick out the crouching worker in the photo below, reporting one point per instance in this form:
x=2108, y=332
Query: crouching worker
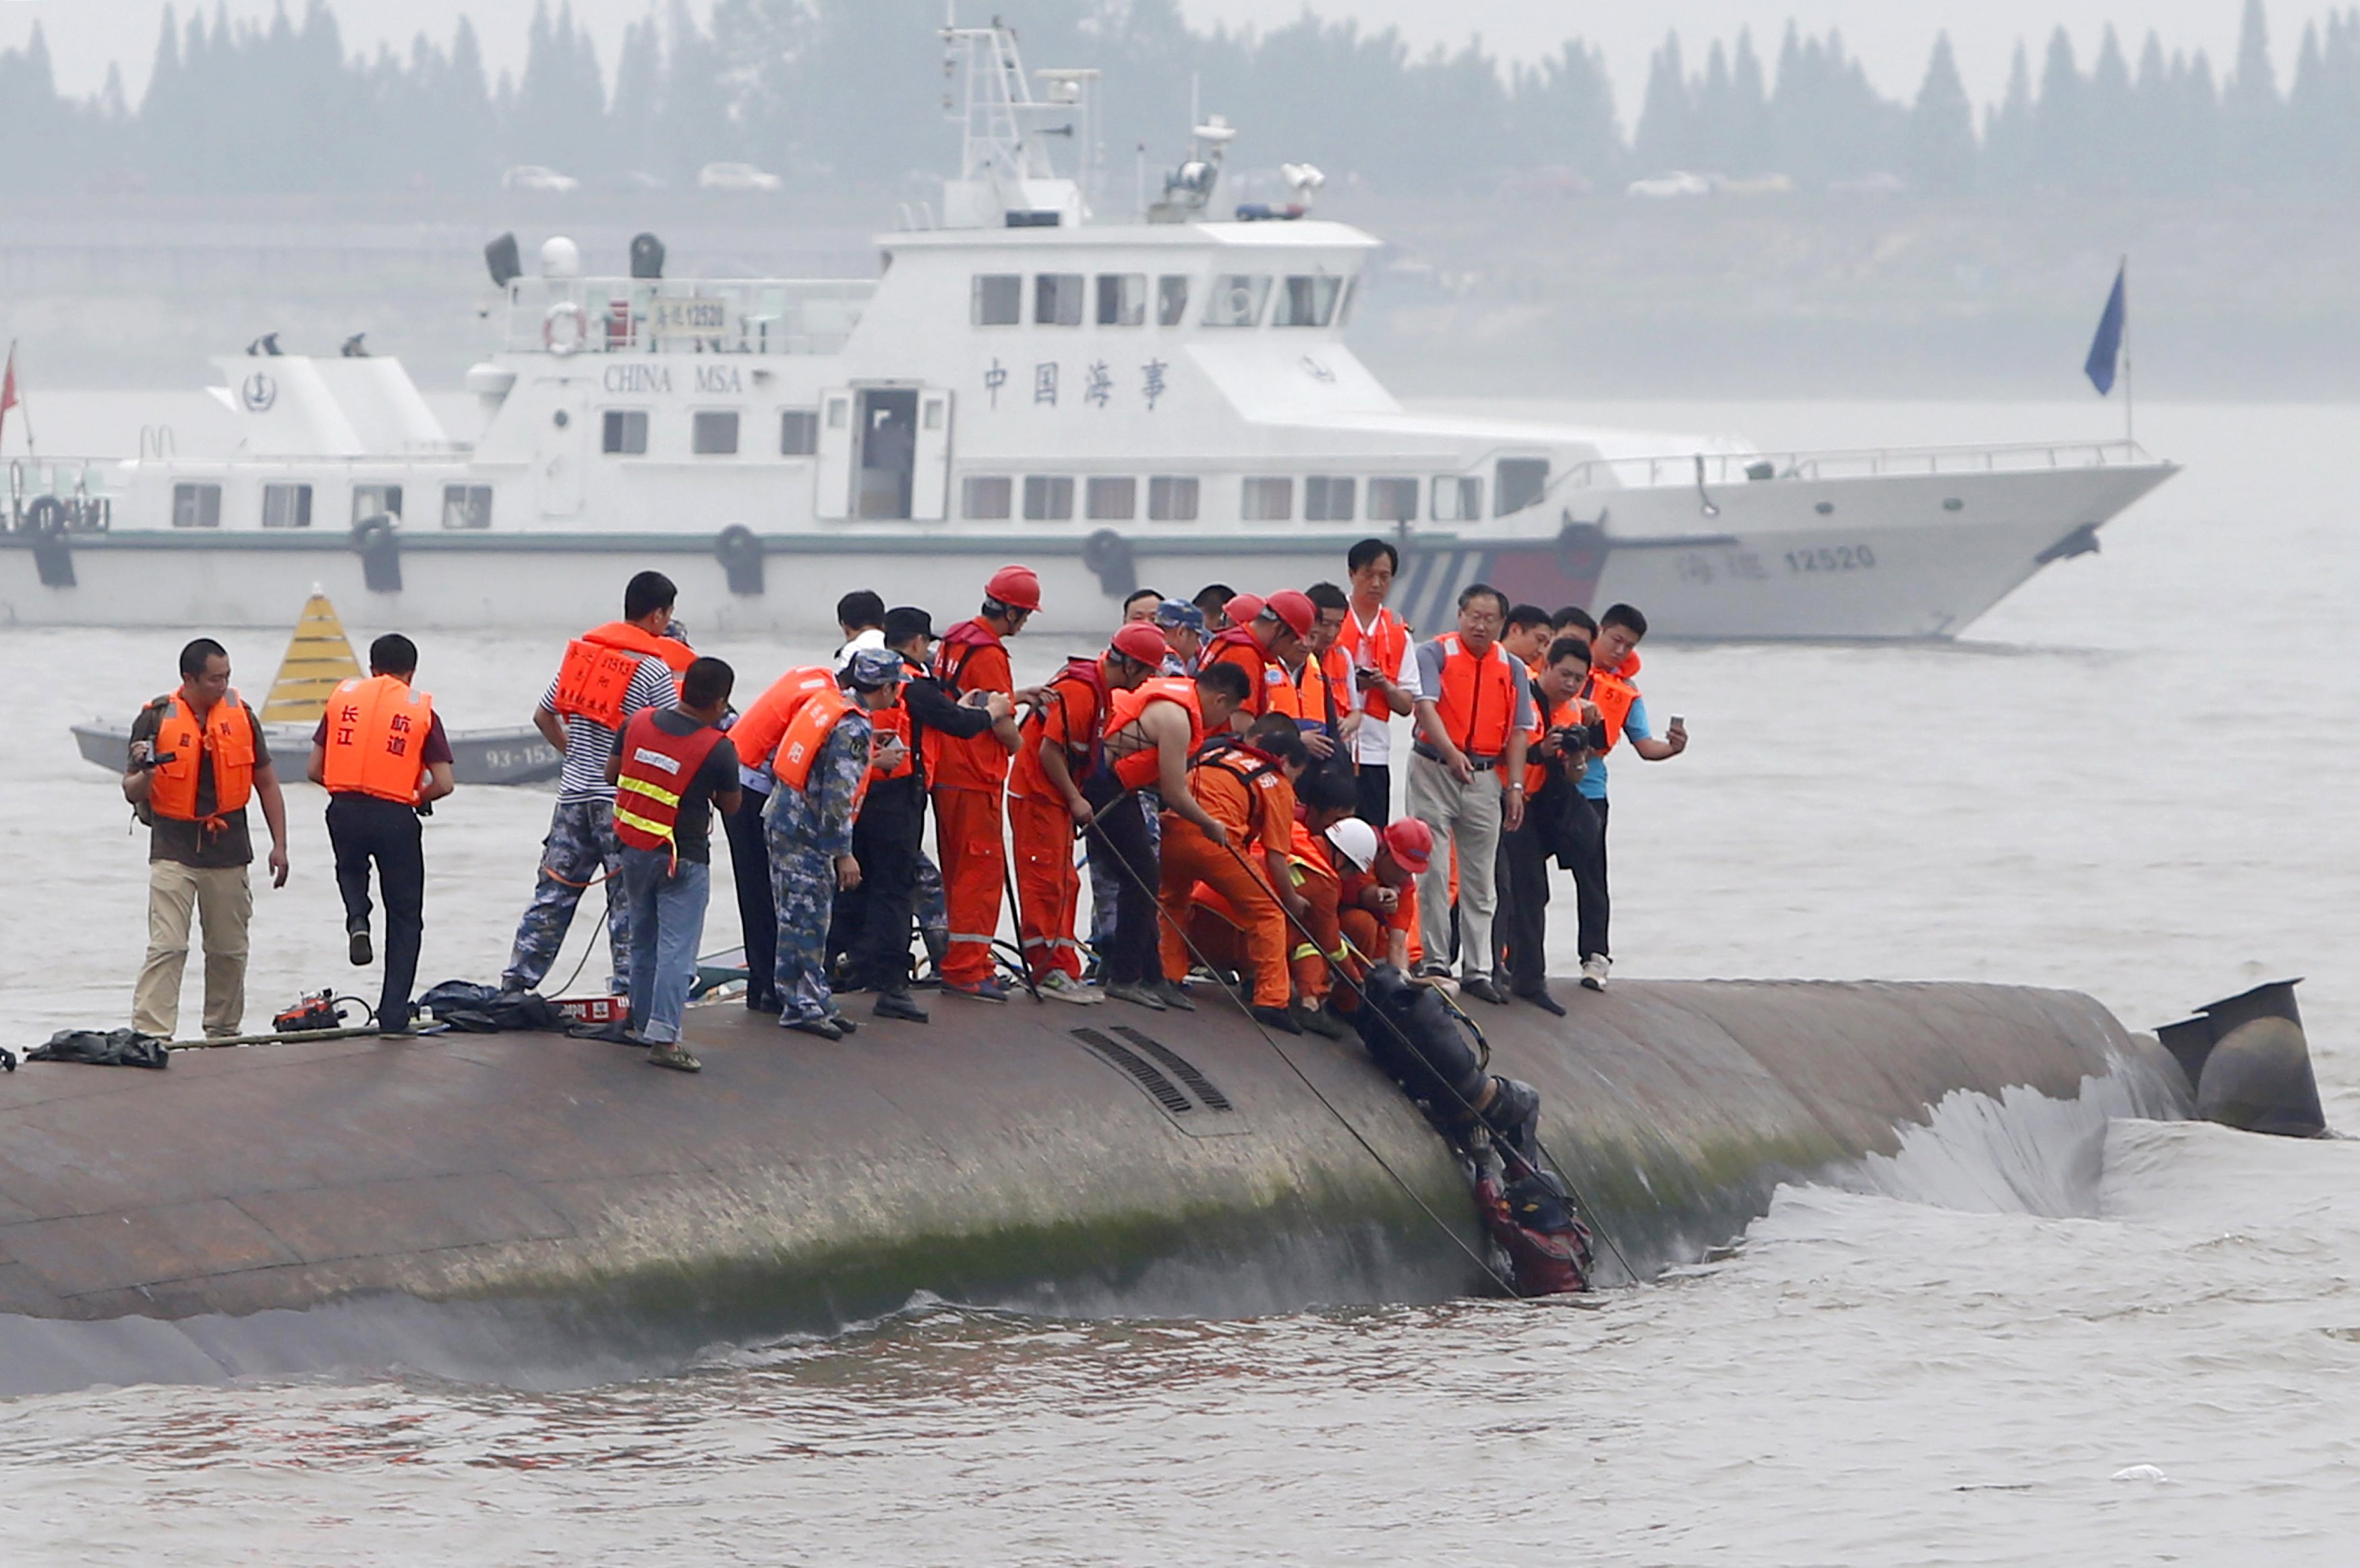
x=382, y=754
x=822, y=769
x=1247, y=785
x=673, y=767
x=1377, y=905
x=1427, y=1048
x=1327, y=797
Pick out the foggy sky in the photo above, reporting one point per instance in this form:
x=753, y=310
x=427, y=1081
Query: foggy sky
x=1891, y=37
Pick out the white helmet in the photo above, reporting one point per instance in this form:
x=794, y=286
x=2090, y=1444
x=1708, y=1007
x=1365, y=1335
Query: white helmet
x=1356, y=841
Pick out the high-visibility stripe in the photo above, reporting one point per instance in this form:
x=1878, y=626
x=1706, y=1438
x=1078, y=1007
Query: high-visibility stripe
x=642, y=787
x=968, y=936
x=653, y=829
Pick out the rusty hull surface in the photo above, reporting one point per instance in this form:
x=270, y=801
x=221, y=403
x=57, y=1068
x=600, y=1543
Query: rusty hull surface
x=990, y=1156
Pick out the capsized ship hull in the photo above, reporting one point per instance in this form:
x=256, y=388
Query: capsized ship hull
x=545, y=1209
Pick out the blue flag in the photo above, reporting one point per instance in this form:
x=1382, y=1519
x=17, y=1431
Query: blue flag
x=2106, y=348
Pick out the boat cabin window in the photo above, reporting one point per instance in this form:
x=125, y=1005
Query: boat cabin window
x=1237, y=300
x=799, y=432
x=985, y=497
x=1328, y=498
x=287, y=505
x=1307, y=302
x=1111, y=500
x=1122, y=298
x=1267, y=500
x=1171, y=498
x=998, y=300
x=1057, y=299
x=1393, y=500
x=375, y=501
x=1170, y=299
x=466, y=506
x=1518, y=483
x=196, y=506
x=1048, y=497
x=625, y=433
x=713, y=432
x=1457, y=498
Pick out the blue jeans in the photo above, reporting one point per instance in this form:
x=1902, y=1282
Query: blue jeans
x=666, y=907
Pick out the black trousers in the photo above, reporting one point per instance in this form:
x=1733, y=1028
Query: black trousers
x=1376, y=781
x=1119, y=848
x=887, y=838
x=758, y=916
x=1521, y=926
x=1587, y=818
x=362, y=829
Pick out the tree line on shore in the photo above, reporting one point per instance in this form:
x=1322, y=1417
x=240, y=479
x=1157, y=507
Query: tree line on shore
x=849, y=93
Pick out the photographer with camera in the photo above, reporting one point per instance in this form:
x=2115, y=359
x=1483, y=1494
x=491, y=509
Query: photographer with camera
x=1566, y=730
x=197, y=757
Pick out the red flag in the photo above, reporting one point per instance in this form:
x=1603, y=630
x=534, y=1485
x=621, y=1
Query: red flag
x=8, y=390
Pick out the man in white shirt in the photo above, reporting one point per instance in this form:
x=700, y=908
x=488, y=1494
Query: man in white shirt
x=1379, y=647
x=860, y=616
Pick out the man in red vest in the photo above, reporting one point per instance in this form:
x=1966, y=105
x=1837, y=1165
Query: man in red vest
x=1467, y=779
x=608, y=674
x=1376, y=644
x=673, y=770
x=381, y=753
x=197, y=757
x=968, y=777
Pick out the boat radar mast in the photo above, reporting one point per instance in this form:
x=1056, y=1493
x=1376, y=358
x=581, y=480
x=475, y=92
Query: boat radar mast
x=1188, y=189
x=1006, y=177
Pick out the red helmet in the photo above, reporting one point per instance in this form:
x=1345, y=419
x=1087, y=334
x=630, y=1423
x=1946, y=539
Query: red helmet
x=1018, y=587
x=1295, y=609
x=1242, y=608
x=1142, y=642
x=1412, y=842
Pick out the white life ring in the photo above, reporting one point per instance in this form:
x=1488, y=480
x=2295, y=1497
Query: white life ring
x=570, y=342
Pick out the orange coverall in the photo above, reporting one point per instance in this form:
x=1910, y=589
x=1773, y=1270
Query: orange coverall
x=1262, y=811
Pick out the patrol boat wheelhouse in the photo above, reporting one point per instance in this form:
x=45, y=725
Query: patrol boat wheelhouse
x=1170, y=400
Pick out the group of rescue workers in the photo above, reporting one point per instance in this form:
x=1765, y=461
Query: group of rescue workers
x=1225, y=765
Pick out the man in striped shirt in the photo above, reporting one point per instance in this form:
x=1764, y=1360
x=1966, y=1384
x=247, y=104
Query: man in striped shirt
x=609, y=674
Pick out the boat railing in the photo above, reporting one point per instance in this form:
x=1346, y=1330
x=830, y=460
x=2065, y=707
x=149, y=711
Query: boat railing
x=58, y=495
x=635, y=315
x=1744, y=467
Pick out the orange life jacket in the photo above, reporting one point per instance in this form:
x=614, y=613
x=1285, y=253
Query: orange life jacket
x=653, y=770
x=1566, y=715
x=1082, y=680
x=1142, y=769
x=1478, y=703
x=1310, y=851
x=376, y=738
x=600, y=663
x=1380, y=648
x=1250, y=767
x=1614, y=692
x=1311, y=694
x=979, y=762
x=892, y=722
x=225, y=736
x=813, y=723
x=762, y=725
x=1265, y=677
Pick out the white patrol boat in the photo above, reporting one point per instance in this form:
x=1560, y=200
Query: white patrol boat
x=1169, y=401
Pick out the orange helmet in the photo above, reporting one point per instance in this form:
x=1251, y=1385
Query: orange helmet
x=1295, y=609
x=1412, y=842
x=1142, y=642
x=1242, y=608
x=1018, y=587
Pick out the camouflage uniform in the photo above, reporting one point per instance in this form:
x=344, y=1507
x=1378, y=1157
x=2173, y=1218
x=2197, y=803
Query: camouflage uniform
x=580, y=846
x=806, y=830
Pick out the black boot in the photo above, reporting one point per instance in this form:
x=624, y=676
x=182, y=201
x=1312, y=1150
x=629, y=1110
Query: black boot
x=899, y=1005
x=1280, y=1019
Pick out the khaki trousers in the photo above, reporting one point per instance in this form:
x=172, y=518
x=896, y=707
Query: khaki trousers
x=1466, y=816
x=222, y=900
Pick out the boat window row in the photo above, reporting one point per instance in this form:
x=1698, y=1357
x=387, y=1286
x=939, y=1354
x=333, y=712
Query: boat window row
x=1262, y=498
x=712, y=432
x=288, y=504
x=1123, y=299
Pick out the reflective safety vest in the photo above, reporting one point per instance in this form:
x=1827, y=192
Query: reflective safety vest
x=1613, y=693
x=762, y=725
x=1253, y=767
x=376, y=738
x=600, y=663
x=1380, y=648
x=1265, y=677
x=1142, y=768
x=225, y=737
x=1478, y=702
x=1566, y=715
x=1311, y=694
x=981, y=762
x=813, y=723
x=652, y=771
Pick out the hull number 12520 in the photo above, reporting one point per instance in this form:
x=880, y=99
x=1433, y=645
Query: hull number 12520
x=1832, y=558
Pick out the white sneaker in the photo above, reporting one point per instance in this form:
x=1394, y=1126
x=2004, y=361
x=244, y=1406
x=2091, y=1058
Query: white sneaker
x=1065, y=988
x=1594, y=970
